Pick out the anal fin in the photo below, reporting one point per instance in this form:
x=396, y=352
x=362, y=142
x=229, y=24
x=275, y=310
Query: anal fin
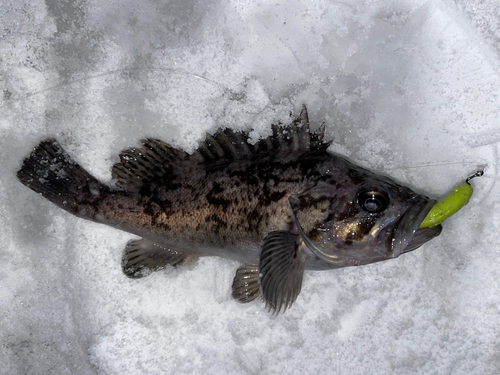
x=141, y=257
x=246, y=286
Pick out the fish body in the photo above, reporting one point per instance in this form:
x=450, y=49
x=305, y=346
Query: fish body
x=280, y=206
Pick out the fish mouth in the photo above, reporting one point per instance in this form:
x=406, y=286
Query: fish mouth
x=407, y=236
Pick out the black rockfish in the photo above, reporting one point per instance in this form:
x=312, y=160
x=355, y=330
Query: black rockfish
x=280, y=206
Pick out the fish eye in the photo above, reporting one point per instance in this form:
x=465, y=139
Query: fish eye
x=373, y=200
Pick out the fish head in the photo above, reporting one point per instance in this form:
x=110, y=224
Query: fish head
x=361, y=218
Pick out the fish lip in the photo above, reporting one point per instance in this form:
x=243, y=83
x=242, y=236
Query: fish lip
x=407, y=235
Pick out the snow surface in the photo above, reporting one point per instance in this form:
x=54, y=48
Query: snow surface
x=406, y=87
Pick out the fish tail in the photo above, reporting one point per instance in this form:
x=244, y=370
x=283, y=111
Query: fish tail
x=51, y=172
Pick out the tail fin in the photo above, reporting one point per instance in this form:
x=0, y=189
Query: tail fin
x=51, y=172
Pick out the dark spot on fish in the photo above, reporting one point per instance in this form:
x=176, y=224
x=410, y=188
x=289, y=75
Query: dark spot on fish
x=254, y=219
x=350, y=211
x=314, y=234
x=163, y=226
x=363, y=229
x=145, y=190
x=267, y=198
x=308, y=166
x=217, y=222
x=217, y=188
x=358, y=175
x=152, y=208
x=215, y=197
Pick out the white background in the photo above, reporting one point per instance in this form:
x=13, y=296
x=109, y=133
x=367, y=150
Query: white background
x=410, y=88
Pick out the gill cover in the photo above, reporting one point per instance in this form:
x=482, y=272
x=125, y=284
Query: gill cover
x=310, y=209
x=337, y=228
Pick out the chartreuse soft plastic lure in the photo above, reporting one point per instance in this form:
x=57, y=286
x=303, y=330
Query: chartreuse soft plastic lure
x=450, y=204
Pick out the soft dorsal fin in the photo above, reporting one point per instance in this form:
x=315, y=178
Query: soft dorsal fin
x=137, y=165
x=157, y=159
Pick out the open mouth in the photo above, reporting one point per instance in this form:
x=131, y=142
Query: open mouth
x=407, y=235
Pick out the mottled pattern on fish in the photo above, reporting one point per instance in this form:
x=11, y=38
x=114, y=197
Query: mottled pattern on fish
x=231, y=200
x=281, y=205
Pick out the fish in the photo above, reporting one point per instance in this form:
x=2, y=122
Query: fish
x=280, y=206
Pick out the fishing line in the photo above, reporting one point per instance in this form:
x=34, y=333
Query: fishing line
x=111, y=72
x=480, y=165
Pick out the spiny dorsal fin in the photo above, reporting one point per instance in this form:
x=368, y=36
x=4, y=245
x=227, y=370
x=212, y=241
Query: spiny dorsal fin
x=225, y=144
x=295, y=137
x=157, y=159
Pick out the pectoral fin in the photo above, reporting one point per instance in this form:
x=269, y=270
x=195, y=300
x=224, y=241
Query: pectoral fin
x=141, y=257
x=281, y=269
